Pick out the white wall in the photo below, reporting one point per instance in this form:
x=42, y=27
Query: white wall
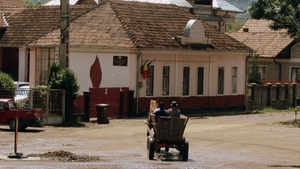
x=112, y=76
x=228, y=61
x=211, y=61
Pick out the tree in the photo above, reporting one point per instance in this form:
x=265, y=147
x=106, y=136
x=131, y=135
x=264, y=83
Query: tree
x=33, y=3
x=235, y=27
x=254, y=75
x=285, y=14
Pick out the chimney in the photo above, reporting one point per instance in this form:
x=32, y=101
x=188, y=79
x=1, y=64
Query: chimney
x=245, y=29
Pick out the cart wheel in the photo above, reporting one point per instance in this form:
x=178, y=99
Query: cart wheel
x=151, y=149
x=167, y=148
x=185, y=151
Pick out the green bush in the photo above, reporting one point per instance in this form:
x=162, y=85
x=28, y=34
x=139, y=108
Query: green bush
x=6, y=81
x=7, y=86
x=64, y=79
x=254, y=75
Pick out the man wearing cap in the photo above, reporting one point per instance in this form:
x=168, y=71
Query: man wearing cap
x=174, y=111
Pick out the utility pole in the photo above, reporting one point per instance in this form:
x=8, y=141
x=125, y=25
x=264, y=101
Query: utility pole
x=64, y=34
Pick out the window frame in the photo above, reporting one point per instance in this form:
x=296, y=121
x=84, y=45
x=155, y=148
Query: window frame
x=186, y=81
x=234, y=80
x=150, y=81
x=200, y=80
x=263, y=72
x=44, y=59
x=165, y=80
x=221, y=77
x=297, y=79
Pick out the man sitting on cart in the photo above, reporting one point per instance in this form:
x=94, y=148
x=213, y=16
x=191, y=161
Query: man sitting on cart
x=174, y=111
x=161, y=111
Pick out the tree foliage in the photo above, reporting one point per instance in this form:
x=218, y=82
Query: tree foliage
x=6, y=81
x=235, y=27
x=33, y=3
x=254, y=75
x=285, y=14
x=63, y=79
x=6, y=86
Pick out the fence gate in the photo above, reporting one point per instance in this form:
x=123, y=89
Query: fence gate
x=52, y=101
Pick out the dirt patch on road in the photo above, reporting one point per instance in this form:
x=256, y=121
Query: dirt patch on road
x=294, y=123
x=65, y=156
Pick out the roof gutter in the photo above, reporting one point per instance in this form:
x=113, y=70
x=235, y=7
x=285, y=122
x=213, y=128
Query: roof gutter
x=279, y=77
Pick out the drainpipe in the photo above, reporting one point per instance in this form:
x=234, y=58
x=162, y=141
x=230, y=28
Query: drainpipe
x=250, y=54
x=279, y=78
x=176, y=77
x=137, y=87
x=209, y=82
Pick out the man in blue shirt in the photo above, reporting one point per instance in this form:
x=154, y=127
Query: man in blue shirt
x=161, y=111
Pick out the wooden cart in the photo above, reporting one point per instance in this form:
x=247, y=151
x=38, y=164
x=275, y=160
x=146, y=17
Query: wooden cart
x=166, y=132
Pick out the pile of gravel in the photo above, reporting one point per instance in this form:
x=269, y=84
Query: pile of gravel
x=65, y=156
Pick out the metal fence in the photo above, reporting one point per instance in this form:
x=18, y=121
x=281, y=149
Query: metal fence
x=52, y=101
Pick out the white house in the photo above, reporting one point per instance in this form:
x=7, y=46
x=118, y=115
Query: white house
x=193, y=63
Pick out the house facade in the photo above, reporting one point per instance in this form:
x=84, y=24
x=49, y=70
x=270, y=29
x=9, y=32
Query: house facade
x=278, y=54
x=187, y=60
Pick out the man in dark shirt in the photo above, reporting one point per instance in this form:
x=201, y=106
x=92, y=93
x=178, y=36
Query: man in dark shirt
x=161, y=111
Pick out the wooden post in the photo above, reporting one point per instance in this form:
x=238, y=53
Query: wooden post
x=16, y=154
x=64, y=34
x=16, y=134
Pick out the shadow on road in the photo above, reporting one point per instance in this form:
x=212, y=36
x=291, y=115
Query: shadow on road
x=170, y=156
x=290, y=166
x=25, y=131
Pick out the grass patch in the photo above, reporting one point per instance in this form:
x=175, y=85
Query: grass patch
x=272, y=110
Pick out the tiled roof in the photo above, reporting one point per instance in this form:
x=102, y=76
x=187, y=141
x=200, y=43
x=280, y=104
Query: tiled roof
x=181, y=3
x=34, y=22
x=119, y=24
x=97, y=28
x=10, y=6
x=57, y=2
x=6, y=3
x=256, y=26
x=263, y=40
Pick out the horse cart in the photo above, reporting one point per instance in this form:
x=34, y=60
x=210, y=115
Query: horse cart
x=166, y=132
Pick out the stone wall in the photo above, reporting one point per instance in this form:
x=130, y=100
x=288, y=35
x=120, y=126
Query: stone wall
x=278, y=96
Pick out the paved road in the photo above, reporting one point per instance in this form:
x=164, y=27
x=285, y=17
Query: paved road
x=240, y=141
